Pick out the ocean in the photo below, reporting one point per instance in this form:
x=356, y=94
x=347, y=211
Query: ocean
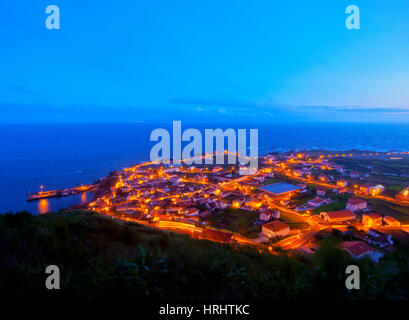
x=64, y=155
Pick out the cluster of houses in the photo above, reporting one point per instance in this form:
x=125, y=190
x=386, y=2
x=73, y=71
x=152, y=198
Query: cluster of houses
x=368, y=244
x=305, y=166
x=359, y=250
x=186, y=194
x=316, y=202
x=371, y=245
x=371, y=189
x=368, y=219
x=194, y=194
x=160, y=192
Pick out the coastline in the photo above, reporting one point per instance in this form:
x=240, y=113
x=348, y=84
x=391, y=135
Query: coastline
x=356, y=152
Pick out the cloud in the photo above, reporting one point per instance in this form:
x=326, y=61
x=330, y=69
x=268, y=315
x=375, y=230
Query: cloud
x=232, y=103
x=33, y=112
x=358, y=109
x=197, y=110
x=226, y=102
x=268, y=111
x=232, y=107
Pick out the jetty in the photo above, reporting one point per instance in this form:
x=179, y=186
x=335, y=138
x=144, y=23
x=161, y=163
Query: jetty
x=59, y=193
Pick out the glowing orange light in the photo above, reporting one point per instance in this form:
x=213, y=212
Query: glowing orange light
x=83, y=198
x=43, y=206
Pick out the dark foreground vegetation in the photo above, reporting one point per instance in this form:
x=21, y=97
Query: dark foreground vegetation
x=101, y=258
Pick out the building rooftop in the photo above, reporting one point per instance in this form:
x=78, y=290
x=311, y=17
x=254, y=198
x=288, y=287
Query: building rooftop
x=355, y=201
x=373, y=215
x=281, y=188
x=356, y=248
x=216, y=235
x=340, y=214
x=275, y=226
x=317, y=200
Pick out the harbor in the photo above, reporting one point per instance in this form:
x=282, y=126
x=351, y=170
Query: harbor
x=59, y=193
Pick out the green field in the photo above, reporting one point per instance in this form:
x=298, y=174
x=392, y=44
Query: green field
x=271, y=181
x=236, y=220
x=334, y=206
x=392, y=190
x=292, y=221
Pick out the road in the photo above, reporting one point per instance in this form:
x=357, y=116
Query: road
x=304, y=236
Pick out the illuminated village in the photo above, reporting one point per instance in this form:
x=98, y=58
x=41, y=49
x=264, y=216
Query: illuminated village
x=295, y=201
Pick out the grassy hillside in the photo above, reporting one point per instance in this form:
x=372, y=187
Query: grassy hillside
x=102, y=258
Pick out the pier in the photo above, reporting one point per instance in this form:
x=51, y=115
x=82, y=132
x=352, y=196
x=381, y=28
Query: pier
x=59, y=193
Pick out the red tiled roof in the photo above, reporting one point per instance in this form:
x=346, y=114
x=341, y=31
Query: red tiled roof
x=356, y=248
x=355, y=201
x=340, y=214
x=215, y=235
x=275, y=226
x=317, y=200
x=373, y=215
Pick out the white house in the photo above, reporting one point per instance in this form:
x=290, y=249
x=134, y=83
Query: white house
x=316, y=202
x=337, y=216
x=267, y=215
x=356, y=204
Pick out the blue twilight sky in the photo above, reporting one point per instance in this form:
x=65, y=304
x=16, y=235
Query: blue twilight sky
x=213, y=60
